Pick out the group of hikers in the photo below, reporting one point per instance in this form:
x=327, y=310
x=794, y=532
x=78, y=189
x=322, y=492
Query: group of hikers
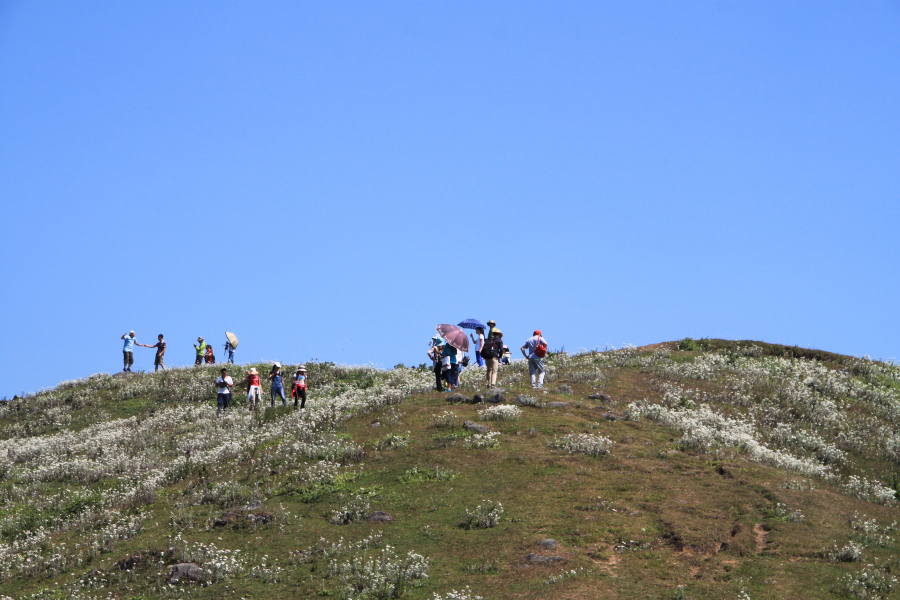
x=448, y=361
x=490, y=352
x=225, y=383
x=204, y=352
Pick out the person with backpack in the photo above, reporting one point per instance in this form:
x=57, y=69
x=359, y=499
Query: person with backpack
x=491, y=351
x=535, y=349
x=449, y=352
x=436, y=356
x=298, y=390
x=210, y=355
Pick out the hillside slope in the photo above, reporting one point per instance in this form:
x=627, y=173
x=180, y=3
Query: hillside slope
x=719, y=470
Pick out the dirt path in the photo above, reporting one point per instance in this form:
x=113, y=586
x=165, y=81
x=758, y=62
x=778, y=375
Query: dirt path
x=760, y=537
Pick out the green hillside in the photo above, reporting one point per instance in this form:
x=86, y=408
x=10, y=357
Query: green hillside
x=693, y=469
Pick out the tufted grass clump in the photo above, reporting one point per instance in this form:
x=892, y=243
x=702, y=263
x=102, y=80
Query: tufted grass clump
x=416, y=475
x=382, y=575
x=392, y=441
x=465, y=594
x=869, y=584
x=851, y=552
x=484, y=516
x=585, y=443
x=444, y=420
x=356, y=509
x=501, y=412
x=481, y=441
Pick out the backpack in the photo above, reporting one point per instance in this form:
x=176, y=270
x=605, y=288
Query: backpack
x=465, y=361
x=490, y=349
x=540, y=349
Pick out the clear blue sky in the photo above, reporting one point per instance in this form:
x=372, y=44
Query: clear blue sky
x=331, y=180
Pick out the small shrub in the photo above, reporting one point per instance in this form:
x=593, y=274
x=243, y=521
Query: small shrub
x=480, y=441
x=381, y=576
x=783, y=513
x=485, y=516
x=586, y=443
x=355, y=510
x=865, y=585
x=501, y=412
x=852, y=552
x=444, y=420
x=687, y=344
x=392, y=442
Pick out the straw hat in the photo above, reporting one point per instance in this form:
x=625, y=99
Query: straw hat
x=491, y=323
x=498, y=332
x=301, y=368
x=252, y=370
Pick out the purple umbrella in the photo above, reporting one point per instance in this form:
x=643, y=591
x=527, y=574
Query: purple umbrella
x=454, y=336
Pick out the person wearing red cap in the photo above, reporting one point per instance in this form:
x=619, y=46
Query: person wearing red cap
x=534, y=349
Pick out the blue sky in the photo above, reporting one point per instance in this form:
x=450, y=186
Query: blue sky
x=331, y=180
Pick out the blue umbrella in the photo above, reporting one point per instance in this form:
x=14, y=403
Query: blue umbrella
x=472, y=324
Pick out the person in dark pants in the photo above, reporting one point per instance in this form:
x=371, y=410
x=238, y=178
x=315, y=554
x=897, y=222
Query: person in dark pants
x=298, y=390
x=436, y=355
x=277, y=384
x=223, y=391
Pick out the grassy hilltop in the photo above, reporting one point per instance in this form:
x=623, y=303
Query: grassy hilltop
x=699, y=469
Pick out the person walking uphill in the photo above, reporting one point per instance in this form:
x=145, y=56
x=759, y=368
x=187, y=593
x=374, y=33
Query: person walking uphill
x=535, y=349
x=277, y=383
x=201, y=351
x=223, y=391
x=128, y=350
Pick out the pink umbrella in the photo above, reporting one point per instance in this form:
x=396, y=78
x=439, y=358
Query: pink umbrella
x=454, y=336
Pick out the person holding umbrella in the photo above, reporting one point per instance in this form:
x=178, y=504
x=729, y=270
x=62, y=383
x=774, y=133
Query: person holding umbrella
x=479, y=344
x=457, y=341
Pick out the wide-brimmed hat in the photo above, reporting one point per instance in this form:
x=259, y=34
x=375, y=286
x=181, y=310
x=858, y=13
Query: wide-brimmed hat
x=492, y=322
x=252, y=370
x=200, y=338
x=497, y=332
x=301, y=368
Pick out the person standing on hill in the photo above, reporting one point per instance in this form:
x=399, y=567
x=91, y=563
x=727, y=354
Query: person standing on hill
x=298, y=390
x=491, y=352
x=160, y=351
x=277, y=383
x=436, y=356
x=254, y=393
x=229, y=350
x=493, y=327
x=223, y=391
x=209, y=355
x=479, y=344
x=201, y=351
x=453, y=374
x=128, y=350
x=535, y=349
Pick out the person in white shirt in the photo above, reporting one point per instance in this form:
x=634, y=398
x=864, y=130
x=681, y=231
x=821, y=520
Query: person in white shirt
x=223, y=391
x=479, y=344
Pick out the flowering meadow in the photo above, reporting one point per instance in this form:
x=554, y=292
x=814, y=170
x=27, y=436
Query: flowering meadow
x=728, y=461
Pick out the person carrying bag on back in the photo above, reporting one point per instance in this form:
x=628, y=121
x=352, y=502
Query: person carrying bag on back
x=491, y=352
x=535, y=349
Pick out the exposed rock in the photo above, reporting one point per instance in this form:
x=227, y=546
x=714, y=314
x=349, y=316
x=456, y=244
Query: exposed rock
x=537, y=558
x=261, y=518
x=601, y=397
x=522, y=400
x=254, y=505
x=609, y=417
x=557, y=405
x=565, y=389
x=495, y=396
x=549, y=544
x=534, y=432
x=476, y=427
x=226, y=519
x=458, y=399
x=478, y=399
x=375, y=424
x=627, y=439
x=189, y=571
x=379, y=516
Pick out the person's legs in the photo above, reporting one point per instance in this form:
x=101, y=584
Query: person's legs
x=539, y=367
x=492, y=371
x=227, y=401
x=437, y=379
x=198, y=361
x=478, y=358
x=231, y=358
x=220, y=398
x=130, y=358
x=124, y=360
x=303, y=398
x=283, y=399
x=532, y=370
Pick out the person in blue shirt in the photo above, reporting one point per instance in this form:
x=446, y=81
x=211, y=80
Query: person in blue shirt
x=277, y=384
x=128, y=350
x=453, y=375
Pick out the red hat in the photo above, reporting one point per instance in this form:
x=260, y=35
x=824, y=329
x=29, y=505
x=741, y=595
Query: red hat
x=537, y=332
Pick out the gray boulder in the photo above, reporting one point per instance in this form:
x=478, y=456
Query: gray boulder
x=189, y=571
x=565, y=389
x=557, y=405
x=537, y=558
x=522, y=400
x=458, y=399
x=495, y=396
x=601, y=397
x=379, y=516
x=549, y=544
x=476, y=427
